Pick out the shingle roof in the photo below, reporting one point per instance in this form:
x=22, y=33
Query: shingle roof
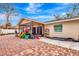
x=59, y=20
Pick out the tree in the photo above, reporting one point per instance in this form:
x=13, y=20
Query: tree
x=73, y=12
x=8, y=10
x=68, y=15
x=75, y=8
x=57, y=17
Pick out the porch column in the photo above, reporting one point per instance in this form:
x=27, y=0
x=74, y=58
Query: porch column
x=43, y=29
x=31, y=28
x=19, y=28
x=36, y=30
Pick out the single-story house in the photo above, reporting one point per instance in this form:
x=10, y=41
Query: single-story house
x=34, y=26
x=66, y=28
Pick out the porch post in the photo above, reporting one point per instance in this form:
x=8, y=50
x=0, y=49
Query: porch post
x=19, y=28
x=31, y=28
x=36, y=30
x=43, y=30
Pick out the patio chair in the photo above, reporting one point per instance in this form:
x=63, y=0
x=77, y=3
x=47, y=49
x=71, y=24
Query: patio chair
x=36, y=37
x=26, y=37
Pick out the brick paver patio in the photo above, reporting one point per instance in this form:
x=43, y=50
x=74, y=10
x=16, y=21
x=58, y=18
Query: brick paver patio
x=12, y=46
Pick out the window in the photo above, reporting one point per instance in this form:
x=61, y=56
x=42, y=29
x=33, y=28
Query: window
x=58, y=28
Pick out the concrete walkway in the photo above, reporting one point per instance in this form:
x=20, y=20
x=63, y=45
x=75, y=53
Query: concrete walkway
x=67, y=44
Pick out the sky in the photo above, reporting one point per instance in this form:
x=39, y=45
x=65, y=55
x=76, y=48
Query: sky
x=37, y=11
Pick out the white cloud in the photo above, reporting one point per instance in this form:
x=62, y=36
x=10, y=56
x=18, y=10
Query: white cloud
x=64, y=13
x=64, y=4
x=12, y=19
x=42, y=16
x=2, y=16
x=59, y=8
x=33, y=8
x=54, y=10
x=2, y=19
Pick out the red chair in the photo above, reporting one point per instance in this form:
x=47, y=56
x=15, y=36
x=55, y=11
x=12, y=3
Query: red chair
x=36, y=37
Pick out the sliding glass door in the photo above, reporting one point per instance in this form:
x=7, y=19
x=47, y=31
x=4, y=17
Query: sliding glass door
x=37, y=30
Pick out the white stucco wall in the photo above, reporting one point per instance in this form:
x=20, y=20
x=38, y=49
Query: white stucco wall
x=70, y=29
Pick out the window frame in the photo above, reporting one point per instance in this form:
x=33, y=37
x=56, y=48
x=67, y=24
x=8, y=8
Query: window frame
x=58, y=28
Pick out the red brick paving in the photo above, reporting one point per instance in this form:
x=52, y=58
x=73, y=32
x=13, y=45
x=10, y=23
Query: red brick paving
x=12, y=46
x=50, y=50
